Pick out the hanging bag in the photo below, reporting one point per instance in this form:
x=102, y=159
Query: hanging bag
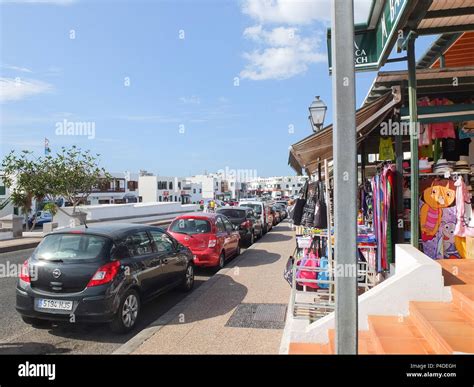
x=309, y=261
x=308, y=212
x=288, y=272
x=320, y=212
x=299, y=205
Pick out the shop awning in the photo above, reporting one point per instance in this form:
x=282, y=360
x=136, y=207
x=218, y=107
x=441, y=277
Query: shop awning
x=442, y=16
x=306, y=154
x=450, y=50
x=430, y=82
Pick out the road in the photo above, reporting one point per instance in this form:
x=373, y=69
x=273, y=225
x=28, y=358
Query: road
x=16, y=337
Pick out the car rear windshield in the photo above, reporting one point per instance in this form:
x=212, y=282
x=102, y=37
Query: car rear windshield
x=231, y=213
x=256, y=207
x=191, y=226
x=72, y=247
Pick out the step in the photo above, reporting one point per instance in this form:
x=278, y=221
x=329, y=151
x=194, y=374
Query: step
x=444, y=326
x=365, y=345
x=463, y=298
x=308, y=349
x=394, y=335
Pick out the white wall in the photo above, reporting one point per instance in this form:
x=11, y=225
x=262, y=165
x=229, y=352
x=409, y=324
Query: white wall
x=126, y=213
x=147, y=188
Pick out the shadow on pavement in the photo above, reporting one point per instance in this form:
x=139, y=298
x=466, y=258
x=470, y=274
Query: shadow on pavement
x=31, y=349
x=222, y=297
x=151, y=310
x=255, y=257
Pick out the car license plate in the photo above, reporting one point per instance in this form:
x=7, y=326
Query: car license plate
x=44, y=303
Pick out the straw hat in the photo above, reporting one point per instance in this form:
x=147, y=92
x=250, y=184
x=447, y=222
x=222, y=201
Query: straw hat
x=462, y=167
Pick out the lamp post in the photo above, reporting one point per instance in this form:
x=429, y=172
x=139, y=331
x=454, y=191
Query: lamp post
x=317, y=113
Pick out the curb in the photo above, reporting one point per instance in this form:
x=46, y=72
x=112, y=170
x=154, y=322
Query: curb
x=137, y=340
x=24, y=246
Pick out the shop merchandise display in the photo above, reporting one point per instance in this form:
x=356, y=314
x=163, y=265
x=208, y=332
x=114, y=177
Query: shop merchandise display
x=384, y=207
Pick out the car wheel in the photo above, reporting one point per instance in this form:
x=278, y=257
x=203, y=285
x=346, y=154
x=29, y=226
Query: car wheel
x=188, y=281
x=127, y=313
x=221, y=261
x=251, y=240
x=35, y=321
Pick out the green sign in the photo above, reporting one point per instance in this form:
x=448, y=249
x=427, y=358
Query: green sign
x=371, y=45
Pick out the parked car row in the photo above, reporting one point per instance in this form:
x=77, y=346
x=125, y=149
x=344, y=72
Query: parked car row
x=104, y=272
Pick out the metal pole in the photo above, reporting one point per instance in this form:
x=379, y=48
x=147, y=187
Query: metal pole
x=414, y=213
x=345, y=175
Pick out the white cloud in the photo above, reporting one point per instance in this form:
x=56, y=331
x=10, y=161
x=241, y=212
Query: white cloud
x=285, y=54
x=14, y=89
x=295, y=12
x=17, y=68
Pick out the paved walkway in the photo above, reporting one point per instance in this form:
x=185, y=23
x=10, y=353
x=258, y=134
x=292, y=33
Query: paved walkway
x=15, y=244
x=225, y=315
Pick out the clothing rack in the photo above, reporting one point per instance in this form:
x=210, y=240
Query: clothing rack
x=321, y=301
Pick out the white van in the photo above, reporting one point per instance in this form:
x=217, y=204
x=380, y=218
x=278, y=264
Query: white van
x=261, y=210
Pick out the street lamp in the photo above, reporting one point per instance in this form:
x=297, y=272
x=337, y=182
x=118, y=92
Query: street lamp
x=317, y=112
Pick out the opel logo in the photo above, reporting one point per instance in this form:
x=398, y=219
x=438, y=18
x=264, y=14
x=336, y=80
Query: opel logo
x=56, y=273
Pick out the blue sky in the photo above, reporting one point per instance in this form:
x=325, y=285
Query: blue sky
x=181, y=112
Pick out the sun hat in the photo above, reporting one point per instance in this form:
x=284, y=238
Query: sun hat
x=442, y=166
x=462, y=166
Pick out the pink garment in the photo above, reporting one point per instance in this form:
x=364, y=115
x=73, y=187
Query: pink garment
x=442, y=129
x=462, y=199
x=425, y=135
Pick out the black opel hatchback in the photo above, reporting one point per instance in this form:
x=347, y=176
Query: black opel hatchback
x=101, y=274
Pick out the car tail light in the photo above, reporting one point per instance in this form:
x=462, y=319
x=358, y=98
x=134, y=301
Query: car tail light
x=212, y=243
x=105, y=274
x=246, y=224
x=25, y=272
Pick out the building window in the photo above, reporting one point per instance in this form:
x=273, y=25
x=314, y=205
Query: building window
x=179, y=185
x=171, y=185
x=160, y=199
x=2, y=190
x=162, y=185
x=194, y=190
x=132, y=185
x=200, y=190
x=175, y=198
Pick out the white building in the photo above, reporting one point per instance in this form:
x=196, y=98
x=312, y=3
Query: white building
x=278, y=186
x=122, y=188
x=6, y=206
x=169, y=189
x=213, y=186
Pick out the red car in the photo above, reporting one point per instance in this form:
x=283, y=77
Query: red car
x=211, y=237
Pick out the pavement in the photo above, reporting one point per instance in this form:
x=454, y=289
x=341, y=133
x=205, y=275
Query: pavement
x=240, y=310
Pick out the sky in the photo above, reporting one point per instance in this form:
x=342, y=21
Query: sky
x=176, y=88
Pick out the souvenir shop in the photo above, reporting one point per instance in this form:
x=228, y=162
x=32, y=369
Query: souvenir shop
x=446, y=183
